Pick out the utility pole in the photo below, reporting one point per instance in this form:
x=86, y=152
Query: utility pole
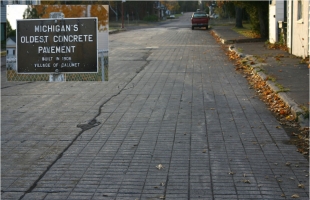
x=123, y=1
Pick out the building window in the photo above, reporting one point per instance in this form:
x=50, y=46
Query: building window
x=14, y=52
x=7, y=52
x=299, y=11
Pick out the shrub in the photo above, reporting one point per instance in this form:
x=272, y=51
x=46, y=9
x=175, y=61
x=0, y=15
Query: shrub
x=151, y=18
x=3, y=44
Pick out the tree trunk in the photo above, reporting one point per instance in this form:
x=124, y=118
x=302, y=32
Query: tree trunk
x=262, y=24
x=239, y=17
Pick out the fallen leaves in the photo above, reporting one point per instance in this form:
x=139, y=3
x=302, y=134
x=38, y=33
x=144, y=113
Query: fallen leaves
x=246, y=181
x=159, y=166
x=251, y=34
x=160, y=185
x=270, y=97
x=295, y=196
x=289, y=118
x=277, y=46
x=272, y=100
x=217, y=38
x=301, y=140
x=301, y=185
x=277, y=57
x=231, y=173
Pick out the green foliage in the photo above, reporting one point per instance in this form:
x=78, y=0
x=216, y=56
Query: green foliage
x=8, y=26
x=252, y=11
x=282, y=39
x=306, y=111
x=258, y=13
x=11, y=33
x=226, y=9
x=31, y=13
x=282, y=88
x=171, y=5
x=230, y=9
x=188, y=6
x=151, y=18
x=3, y=45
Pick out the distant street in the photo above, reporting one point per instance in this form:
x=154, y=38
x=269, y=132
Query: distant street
x=174, y=121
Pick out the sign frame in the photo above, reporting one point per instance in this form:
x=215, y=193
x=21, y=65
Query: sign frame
x=56, y=20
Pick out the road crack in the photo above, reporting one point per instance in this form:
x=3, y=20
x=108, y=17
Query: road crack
x=87, y=126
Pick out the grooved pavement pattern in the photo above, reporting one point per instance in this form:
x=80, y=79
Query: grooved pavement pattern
x=176, y=122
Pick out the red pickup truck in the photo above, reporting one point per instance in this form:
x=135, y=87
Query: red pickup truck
x=200, y=19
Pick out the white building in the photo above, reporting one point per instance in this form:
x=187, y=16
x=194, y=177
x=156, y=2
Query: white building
x=11, y=47
x=3, y=20
x=23, y=2
x=276, y=14
x=297, y=15
x=11, y=53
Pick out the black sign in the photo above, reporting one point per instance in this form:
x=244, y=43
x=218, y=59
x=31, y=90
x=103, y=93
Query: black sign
x=57, y=45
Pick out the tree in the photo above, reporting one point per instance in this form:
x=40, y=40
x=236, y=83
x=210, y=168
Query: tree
x=30, y=13
x=238, y=17
x=70, y=11
x=101, y=13
x=226, y=9
x=258, y=12
x=12, y=33
x=8, y=26
x=171, y=5
x=9, y=31
x=188, y=6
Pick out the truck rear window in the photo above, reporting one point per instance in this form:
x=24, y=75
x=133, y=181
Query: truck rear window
x=198, y=15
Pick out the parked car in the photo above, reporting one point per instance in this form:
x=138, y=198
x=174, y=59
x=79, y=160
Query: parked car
x=214, y=16
x=171, y=17
x=200, y=19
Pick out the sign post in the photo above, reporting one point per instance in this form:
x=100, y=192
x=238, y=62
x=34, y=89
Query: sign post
x=57, y=77
x=57, y=45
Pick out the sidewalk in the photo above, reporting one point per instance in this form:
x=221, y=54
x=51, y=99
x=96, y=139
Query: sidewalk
x=286, y=69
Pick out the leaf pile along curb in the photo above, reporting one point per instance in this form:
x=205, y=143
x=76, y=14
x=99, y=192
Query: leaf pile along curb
x=270, y=94
x=272, y=99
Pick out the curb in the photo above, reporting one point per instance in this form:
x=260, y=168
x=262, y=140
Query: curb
x=242, y=40
x=297, y=112
x=117, y=31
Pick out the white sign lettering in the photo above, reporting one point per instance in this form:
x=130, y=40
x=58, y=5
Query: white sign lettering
x=56, y=49
x=55, y=28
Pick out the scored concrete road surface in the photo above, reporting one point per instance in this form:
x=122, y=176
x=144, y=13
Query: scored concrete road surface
x=174, y=121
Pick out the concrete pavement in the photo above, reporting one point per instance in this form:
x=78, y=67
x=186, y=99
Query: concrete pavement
x=174, y=121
